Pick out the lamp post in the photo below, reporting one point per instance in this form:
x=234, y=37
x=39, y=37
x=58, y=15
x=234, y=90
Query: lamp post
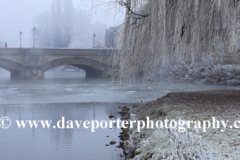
x=94, y=36
x=20, y=33
x=34, y=32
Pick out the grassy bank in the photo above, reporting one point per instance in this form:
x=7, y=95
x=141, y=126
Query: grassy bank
x=194, y=143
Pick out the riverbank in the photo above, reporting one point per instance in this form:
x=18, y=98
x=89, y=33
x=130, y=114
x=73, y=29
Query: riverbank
x=204, y=72
x=195, y=106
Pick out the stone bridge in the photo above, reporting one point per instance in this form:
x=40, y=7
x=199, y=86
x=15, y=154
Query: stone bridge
x=32, y=63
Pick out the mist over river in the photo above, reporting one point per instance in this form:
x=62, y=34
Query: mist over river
x=71, y=95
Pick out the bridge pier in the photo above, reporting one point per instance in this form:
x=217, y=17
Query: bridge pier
x=94, y=74
x=33, y=74
x=91, y=72
x=27, y=74
x=15, y=75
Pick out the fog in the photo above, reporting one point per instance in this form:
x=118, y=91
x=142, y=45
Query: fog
x=19, y=16
x=164, y=47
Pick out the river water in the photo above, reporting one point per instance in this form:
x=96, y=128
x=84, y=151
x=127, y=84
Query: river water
x=70, y=95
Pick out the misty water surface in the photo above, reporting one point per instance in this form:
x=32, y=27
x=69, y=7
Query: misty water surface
x=70, y=95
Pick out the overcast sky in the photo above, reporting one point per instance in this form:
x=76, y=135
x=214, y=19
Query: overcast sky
x=18, y=15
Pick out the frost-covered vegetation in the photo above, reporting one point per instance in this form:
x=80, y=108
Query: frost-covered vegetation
x=167, y=144
x=173, y=36
x=203, y=72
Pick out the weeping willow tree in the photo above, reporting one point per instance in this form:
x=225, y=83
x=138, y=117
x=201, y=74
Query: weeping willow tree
x=161, y=33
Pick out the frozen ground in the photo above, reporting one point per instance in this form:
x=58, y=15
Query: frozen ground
x=194, y=144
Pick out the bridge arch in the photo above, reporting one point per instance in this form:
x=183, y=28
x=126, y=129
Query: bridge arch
x=91, y=67
x=16, y=69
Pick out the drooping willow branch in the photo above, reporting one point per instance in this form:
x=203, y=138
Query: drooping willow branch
x=162, y=33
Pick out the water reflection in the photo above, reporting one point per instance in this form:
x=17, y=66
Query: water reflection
x=58, y=143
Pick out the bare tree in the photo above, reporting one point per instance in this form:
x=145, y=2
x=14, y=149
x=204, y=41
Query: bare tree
x=62, y=20
x=54, y=29
x=65, y=26
x=83, y=30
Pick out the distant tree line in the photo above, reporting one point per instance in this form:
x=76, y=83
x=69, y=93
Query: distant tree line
x=65, y=27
